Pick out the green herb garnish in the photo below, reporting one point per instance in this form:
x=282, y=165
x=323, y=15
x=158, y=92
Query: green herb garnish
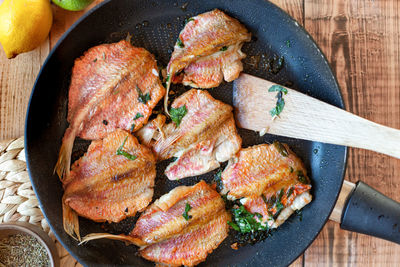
x=277, y=88
x=185, y=214
x=143, y=98
x=179, y=43
x=122, y=152
x=280, y=103
x=189, y=20
x=302, y=178
x=177, y=114
x=291, y=169
x=281, y=149
x=244, y=221
x=138, y=115
x=290, y=192
x=224, y=48
x=278, y=204
x=264, y=198
x=218, y=180
x=167, y=79
x=288, y=43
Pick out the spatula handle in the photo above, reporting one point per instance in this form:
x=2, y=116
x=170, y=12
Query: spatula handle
x=362, y=209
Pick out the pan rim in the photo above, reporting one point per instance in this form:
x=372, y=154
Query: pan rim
x=93, y=10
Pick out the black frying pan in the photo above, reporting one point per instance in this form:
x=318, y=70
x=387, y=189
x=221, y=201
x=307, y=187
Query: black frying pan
x=155, y=26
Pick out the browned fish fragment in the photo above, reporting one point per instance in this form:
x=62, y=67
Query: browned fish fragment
x=180, y=228
x=112, y=86
x=205, y=136
x=207, y=51
x=269, y=179
x=113, y=180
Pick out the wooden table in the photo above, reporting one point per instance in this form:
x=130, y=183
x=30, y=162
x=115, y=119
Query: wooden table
x=360, y=38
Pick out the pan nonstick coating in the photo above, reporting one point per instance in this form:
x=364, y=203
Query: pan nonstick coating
x=155, y=25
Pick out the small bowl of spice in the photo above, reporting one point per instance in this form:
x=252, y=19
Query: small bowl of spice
x=25, y=244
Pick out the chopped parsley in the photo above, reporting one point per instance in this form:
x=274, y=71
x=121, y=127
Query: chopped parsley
x=290, y=192
x=185, y=214
x=281, y=149
x=218, y=180
x=224, y=48
x=143, y=98
x=280, y=103
x=278, y=204
x=189, y=20
x=167, y=79
x=138, y=115
x=245, y=221
x=301, y=177
x=122, y=152
x=177, y=114
x=277, y=88
x=264, y=198
x=179, y=43
x=291, y=169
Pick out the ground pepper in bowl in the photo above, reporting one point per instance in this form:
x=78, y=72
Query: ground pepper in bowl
x=22, y=250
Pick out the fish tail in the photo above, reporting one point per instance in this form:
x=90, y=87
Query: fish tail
x=166, y=100
x=62, y=167
x=128, y=239
x=70, y=221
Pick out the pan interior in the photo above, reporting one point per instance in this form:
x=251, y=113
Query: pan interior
x=155, y=25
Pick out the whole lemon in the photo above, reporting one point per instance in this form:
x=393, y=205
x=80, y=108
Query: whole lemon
x=25, y=24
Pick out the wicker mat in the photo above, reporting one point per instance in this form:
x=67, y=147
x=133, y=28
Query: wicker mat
x=18, y=202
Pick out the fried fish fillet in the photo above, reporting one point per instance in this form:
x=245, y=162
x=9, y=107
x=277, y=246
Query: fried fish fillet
x=268, y=179
x=205, y=136
x=112, y=86
x=207, y=51
x=180, y=228
x=112, y=181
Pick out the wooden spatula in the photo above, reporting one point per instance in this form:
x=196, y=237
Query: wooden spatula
x=305, y=117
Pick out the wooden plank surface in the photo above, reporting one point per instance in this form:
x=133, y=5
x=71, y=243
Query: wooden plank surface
x=360, y=39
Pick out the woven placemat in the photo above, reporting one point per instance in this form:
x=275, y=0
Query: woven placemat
x=18, y=201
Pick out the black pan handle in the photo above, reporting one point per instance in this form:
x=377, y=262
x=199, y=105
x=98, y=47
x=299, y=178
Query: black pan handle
x=367, y=211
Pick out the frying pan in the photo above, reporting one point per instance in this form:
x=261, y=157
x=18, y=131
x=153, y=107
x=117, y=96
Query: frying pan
x=155, y=25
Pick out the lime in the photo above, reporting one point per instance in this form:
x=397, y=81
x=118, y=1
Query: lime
x=72, y=5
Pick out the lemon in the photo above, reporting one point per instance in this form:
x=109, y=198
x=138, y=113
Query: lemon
x=25, y=24
x=72, y=5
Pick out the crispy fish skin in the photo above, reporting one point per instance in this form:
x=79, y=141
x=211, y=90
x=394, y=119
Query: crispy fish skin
x=104, y=94
x=163, y=219
x=204, y=35
x=210, y=71
x=205, y=137
x=166, y=237
x=104, y=186
x=207, y=50
x=269, y=179
x=259, y=169
x=191, y=247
